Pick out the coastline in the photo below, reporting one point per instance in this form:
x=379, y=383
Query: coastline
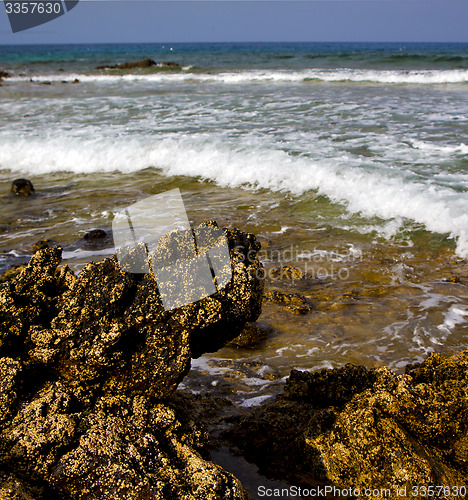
x=348, y=164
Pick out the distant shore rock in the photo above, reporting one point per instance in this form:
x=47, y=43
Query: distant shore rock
x=22, y=187
x=365, y=428
x=169, y=64
x=87, y=367
x=144, y=63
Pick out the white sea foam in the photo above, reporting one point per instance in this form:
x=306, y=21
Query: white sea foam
x=453, y=317
x=256, y=401
x=389, y=194
x=258, y=76
x=427, y=146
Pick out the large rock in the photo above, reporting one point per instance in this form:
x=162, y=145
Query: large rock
x=144, y=63
x=87, y=365
x=122, y=447
x=359, y=428
x=22, y=187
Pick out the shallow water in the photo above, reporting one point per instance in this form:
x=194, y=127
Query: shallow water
x=373, y=301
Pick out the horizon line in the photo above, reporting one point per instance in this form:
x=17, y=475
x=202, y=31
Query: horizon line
x=241, y=42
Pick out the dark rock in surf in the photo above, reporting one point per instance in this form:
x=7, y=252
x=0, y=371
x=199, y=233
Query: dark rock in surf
x=95, y=234
x=144, y=63
x=169, y=64
x=22, y=187
x=294, y=302
x=359, y=428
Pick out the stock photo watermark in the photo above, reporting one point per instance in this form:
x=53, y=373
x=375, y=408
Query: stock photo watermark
x=27, y=14
x=154, y=236
x=293, y=263
x=416, y=491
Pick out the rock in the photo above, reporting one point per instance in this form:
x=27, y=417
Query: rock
x=144, y=63
x=96, y=239
x=11, y=273
x=294, y=302
x=87, y=367
x=76, y=80
x=40, y=245
x=359, y=428
x=22, y=187
x=95, y=234
x=251, y=336
x=3, y=74
x=136, y=448
x=169, y=64
x=12, y=488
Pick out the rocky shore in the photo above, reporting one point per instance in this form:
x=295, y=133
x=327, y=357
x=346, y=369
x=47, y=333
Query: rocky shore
x=88, y=365
x=89, y=406
x=356, y=428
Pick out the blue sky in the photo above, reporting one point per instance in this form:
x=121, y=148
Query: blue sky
x=217, y=20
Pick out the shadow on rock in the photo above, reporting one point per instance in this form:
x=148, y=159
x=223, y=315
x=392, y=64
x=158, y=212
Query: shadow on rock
x=359, y=428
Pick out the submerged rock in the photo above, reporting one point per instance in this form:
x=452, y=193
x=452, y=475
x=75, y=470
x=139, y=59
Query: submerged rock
x=144, y=63
x=294, y=302
x=86, y=364
x=359, y=428
x=95, y=234
x=169, y=64
x=22, y=187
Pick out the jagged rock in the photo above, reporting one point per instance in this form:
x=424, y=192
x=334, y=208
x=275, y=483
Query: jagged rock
x=22, y=187
x=11, y=273
x=359, y=428
x=133, y=449
x=40, y=245
x=85, y=364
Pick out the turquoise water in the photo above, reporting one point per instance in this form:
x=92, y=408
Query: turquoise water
x=249, y=55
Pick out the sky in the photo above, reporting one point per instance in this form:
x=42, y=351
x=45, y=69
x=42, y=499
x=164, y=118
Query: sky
x=133, y=21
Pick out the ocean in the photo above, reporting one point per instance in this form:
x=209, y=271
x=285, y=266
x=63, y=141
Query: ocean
x=348, y=160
